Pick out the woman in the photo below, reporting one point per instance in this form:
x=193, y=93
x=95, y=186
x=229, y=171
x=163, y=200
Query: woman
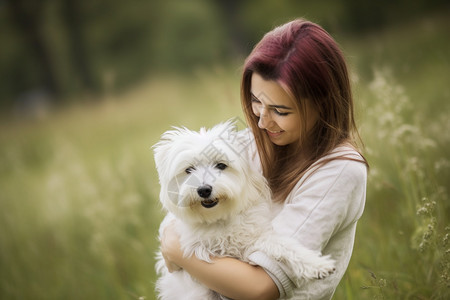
x=297, y=100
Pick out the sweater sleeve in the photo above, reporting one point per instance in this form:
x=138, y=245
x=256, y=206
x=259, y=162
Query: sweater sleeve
x=320, y=213
x=329, y=200
x=275, y=271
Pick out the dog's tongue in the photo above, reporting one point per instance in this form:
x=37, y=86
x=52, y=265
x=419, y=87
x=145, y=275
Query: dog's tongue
x=209, y=203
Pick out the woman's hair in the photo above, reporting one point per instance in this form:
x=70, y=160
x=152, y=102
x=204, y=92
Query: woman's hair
x=305, y=60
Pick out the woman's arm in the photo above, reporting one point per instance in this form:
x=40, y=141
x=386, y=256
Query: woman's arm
x=227, y=276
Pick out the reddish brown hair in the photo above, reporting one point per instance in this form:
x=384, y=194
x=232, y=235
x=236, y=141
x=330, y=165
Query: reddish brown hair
x=305, y=60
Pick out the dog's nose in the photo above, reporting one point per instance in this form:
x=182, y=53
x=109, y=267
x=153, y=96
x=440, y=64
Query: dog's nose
x=204, y=191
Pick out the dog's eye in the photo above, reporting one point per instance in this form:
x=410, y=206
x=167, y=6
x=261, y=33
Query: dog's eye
x=189, y=170
x=221, y=166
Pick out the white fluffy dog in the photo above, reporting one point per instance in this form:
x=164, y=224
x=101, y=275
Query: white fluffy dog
x=220, y=207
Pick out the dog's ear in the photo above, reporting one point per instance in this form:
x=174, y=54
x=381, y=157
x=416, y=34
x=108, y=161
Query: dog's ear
x=162, y=150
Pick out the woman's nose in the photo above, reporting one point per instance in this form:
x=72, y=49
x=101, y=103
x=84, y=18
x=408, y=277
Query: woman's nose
x=264, y=118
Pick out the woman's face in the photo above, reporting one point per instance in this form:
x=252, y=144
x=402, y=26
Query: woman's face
x=277, y=114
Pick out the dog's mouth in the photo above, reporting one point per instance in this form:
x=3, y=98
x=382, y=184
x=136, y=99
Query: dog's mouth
x=209, y=203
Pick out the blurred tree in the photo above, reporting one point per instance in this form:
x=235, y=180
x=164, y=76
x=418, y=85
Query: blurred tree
x=67, y=47
x=27, y=16
x=365, y=15
x=229, y=12
x=120, y=40
x=71, y=13
x=191, y=34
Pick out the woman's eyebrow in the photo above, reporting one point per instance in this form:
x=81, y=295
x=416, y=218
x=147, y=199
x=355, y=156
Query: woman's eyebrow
x=272, y=105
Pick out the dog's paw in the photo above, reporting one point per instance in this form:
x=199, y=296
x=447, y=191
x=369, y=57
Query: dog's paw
x=325, y=272
x=325, y=268
x=318, y=267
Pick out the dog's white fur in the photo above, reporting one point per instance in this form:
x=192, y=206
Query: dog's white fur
x=233, y=221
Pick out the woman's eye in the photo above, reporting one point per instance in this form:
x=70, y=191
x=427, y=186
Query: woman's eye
x=221, y=166
x=281, y=113
x=189, y=170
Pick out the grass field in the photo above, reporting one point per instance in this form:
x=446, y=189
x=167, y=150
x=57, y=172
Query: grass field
x=78, y=189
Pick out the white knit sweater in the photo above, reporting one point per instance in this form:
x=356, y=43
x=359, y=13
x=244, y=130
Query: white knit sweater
x=321, y=212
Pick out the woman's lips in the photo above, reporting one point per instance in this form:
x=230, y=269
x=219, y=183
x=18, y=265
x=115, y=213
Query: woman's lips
x=274, y=133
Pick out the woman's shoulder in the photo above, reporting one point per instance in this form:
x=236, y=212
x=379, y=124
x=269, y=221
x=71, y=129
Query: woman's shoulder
x=343, y=155
x=343, y=161
x=342, y=172
x=344, y=151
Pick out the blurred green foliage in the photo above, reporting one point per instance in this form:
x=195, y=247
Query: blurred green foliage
x=61, y=50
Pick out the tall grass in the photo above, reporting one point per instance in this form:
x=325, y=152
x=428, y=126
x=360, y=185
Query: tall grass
x=402, y=249
x=79, y=207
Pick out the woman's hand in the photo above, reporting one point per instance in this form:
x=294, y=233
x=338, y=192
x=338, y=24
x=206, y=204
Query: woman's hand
x=227, y=276
x=171, y=248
